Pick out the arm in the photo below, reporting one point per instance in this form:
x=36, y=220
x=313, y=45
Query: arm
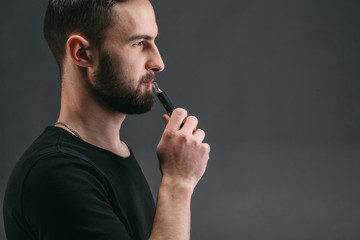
x=183, y=158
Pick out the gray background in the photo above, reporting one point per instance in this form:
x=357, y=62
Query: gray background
x=275, y=84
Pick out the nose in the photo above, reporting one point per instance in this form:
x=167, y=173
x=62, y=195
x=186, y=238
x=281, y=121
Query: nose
x=155, y=62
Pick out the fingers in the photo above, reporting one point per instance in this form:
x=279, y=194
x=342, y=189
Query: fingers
x=207, y=148
x=190, y=124
x=166, y=118
x=176, y=119
x=199, y=135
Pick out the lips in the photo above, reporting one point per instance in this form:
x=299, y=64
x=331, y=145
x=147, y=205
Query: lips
x=147, y=83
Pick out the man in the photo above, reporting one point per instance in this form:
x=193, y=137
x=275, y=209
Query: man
x=78, y=180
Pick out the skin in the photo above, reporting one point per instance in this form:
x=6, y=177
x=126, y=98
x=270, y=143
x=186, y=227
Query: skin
x=182, y=154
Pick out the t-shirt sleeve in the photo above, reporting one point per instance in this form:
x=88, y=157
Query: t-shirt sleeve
x=67, y=198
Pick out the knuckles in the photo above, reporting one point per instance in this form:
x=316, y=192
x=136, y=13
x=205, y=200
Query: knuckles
x=169, y=134
x=184, y=138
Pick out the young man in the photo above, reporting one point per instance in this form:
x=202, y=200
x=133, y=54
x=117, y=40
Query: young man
x=78, y=180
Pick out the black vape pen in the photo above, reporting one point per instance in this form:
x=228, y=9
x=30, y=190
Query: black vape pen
x=165, y=101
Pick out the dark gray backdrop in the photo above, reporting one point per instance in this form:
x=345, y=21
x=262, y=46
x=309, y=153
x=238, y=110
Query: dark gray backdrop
x=274, y=83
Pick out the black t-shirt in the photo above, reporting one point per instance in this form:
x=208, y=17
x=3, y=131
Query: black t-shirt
x=64, y=188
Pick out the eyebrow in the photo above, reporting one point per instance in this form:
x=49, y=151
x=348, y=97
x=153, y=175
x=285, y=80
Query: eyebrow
x=143, y=36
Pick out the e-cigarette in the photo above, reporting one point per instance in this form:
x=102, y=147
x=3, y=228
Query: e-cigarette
x=165, y=101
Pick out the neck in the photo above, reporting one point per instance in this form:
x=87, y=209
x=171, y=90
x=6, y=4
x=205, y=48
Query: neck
x=92, y=119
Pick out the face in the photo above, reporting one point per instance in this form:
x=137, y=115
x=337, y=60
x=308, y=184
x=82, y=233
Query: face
x=129, y=59
x=117, y=89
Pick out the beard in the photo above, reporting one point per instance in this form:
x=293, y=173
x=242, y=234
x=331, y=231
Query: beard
x=117, y=89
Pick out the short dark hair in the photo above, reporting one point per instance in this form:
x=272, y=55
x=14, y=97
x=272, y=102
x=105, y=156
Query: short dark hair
x=88, y=17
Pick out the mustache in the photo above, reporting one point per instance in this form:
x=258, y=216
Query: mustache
x=148, y=77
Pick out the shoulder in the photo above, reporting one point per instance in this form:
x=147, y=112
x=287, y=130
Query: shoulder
x=44, y=166
x=55, y=152
x=61, y=171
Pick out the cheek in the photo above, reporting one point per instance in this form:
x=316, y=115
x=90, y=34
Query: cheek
x=132, y=64
x=135, y=70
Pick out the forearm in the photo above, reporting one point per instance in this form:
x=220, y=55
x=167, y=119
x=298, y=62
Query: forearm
x=183, y=158
x=172, y=218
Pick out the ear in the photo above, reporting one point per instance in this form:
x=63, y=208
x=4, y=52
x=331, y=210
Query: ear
x=79, y=50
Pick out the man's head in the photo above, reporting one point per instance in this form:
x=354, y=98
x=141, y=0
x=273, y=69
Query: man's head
x=112, y=43
x=64, y=17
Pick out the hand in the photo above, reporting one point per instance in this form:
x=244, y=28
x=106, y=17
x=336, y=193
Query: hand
x=182, y=154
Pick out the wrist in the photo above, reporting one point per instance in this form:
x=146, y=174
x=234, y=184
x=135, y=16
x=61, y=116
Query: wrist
x=177, y=186
x=172, y=218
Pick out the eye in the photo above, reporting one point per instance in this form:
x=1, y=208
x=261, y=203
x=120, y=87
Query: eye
x=139, y=44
